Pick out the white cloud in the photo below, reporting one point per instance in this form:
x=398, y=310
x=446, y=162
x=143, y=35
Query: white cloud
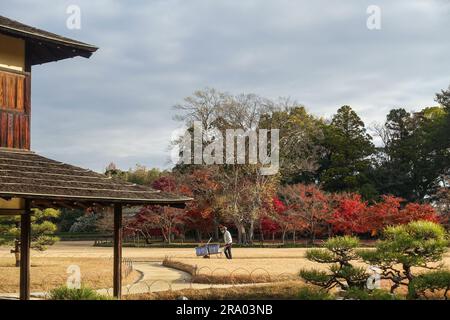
x=117, y=105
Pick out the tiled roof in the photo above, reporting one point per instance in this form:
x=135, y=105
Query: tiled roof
x=25, y=174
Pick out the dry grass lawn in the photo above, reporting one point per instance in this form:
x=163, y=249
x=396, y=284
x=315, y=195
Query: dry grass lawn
x=276, y=264
x=285, y=290
x=247, y=267
x=49, y=268
x=48, y=273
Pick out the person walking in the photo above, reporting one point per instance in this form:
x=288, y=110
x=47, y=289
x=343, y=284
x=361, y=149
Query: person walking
x=228, y=242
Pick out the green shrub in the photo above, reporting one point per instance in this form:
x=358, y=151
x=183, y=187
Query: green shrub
x=342, y=244
x=307, y=293
x=430, y=282
x=404, y=247
x=315, y=276
x=358, y=294
x=339, y=252
x=65, y=293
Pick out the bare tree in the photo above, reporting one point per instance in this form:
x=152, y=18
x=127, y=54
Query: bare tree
x=218, y=112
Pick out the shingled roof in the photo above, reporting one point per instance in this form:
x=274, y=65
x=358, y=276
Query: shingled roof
x=25, y=174
x=43, y=45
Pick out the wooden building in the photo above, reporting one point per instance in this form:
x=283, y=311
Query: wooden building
x=28, y=180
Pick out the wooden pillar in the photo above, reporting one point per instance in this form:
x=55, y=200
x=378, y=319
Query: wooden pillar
x=118, y=231
x=25, y=240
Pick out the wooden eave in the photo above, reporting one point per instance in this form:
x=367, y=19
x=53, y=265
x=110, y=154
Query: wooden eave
x=43, y=46
x=25, y=174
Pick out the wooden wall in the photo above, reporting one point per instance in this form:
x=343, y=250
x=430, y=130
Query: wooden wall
x=12, y=53
x=15, y=107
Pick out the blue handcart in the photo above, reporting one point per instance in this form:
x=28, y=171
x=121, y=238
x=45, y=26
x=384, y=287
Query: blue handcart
x=208, y=249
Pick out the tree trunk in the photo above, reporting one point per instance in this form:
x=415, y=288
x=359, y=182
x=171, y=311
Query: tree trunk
x=312, y=234
x=165, y=235
x=198, y=235
x=262, y=231
x=216, y=229
x=330, y=231
x=411, y=290
x=244, y=235
x=17, y=252
x=239, y=230
x=251, y=232
x=293, y=236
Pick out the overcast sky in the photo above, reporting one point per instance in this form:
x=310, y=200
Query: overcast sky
x=117, y=106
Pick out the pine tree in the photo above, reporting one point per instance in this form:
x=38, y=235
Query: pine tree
x=42, y=231
x=347, y=158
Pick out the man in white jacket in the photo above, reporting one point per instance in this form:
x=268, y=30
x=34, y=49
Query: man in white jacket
x=228, y=242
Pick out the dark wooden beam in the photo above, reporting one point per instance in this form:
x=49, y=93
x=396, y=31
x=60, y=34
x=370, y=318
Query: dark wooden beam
x=118, y=231
x=25, y=240
x=10, y=212
x=28, y=56
x=81, y=205
x=42, y=204
x=63, y=204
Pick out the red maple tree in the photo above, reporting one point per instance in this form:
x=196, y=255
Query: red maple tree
x=349, y=217
x=165, y=220
x=200, y=213
x=308, y=209
x=269, y=220
x=352, y=215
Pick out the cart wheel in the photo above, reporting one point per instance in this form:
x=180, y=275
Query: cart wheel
x=206, y=257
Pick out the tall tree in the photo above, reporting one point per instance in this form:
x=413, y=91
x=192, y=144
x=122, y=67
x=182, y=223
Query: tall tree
x=244, y=195
x=218, y=112
x=442, y=137
x=414, y=159
x=300, y=133
x=346, y=161
x=398, y=154
x=443, y=98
